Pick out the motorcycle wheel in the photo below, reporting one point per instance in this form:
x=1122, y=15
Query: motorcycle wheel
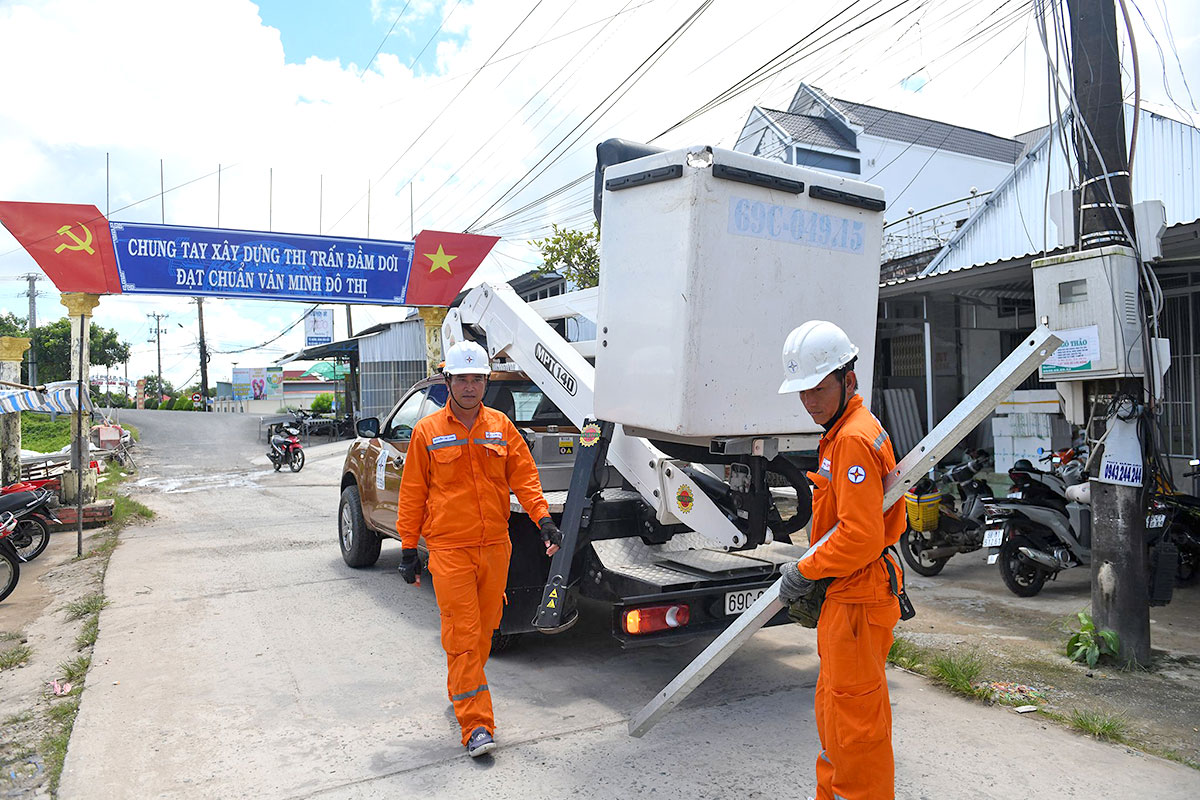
x=30, y=538
x=10, y=573
x=1187, y=571
x=912, y=547
x=296, y=461
x=1022, y=577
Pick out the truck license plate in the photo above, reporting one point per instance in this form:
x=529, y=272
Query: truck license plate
x=1156, y=520
x=993, y=537
x=737, y=602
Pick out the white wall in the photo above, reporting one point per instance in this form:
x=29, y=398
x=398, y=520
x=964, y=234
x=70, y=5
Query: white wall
x=918, y=177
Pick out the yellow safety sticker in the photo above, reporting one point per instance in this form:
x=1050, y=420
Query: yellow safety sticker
x=566, y=447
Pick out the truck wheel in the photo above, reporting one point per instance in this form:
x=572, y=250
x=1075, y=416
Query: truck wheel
x=360, y=545
x=912, y=547
x=1022, y=577
x=502, y=641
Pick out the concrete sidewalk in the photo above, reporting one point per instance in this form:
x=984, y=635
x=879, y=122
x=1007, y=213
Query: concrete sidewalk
x=240, y=657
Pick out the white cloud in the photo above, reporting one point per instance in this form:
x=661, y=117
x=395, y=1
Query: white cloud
x=202, y=84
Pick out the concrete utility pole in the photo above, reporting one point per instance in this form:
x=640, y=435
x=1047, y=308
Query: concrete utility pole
x=203, y=357
x=32, y=293
x=157, y=333
x=1120, y=598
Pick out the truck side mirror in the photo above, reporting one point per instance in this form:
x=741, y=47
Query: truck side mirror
x=367, y=428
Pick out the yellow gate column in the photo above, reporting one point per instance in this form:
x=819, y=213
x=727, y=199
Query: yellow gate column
x=12, y=351
x=80, y=306
x=433, y=317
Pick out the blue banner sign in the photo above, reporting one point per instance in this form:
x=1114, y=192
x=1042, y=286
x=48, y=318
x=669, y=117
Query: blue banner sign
x=212, y=262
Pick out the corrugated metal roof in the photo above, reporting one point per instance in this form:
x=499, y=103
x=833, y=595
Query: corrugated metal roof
x=1013, y=221
x=810, y=130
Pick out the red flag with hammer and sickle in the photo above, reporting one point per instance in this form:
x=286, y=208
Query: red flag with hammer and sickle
x=442, y=263
x=71, y=243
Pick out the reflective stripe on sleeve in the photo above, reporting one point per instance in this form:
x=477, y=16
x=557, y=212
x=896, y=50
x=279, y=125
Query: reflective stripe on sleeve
x=820, y=542
x=879, y=441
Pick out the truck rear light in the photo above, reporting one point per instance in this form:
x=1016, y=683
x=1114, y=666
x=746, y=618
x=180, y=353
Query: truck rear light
x=651, y=619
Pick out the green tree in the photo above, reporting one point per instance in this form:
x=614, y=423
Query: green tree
x=153, y=389
x=322, y=403
x=12, y=325
x=575, y=255
x=52, y=345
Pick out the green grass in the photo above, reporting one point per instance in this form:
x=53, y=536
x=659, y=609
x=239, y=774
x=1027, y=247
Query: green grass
x=11, y=636
x=1100, y=725
x=906, y=655
x=54, y=751
x=65, y=711
x=41, y=435
x=89, y=604
x=958, y=672
x=76, y=669
x=87, y=636
x=15, y=656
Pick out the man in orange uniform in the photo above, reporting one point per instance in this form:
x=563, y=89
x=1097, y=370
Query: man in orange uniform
x=851, y=530
x=454, y=491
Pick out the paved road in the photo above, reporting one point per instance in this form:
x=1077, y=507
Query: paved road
x=241, y=658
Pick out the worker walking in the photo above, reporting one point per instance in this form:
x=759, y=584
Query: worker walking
x=862, y=585
x=454, y=491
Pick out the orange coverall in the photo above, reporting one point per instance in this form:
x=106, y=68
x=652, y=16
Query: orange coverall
x=454, y=492
x=854, y=633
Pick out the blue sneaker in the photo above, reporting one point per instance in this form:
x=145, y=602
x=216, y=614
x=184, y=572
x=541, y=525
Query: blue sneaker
x=481, y=742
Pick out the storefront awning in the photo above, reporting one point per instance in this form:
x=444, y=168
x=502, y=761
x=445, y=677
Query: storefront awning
x=60, y=398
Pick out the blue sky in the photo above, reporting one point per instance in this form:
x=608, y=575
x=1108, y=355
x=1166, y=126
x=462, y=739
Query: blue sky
x=350, y=31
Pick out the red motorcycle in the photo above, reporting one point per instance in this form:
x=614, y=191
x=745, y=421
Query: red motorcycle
x=10, y=559
x=285, y=448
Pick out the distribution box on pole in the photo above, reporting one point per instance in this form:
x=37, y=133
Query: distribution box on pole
x=708, y=259
x=1091, y=300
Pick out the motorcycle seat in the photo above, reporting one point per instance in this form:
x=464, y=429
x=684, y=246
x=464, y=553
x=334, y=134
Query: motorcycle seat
x=17, y=500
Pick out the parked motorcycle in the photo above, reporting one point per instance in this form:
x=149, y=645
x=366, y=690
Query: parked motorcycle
x=286, y=448
x=1044, y=525
x=1174, y=519
x=942, y=524
x=10, y=559
x=33, y=512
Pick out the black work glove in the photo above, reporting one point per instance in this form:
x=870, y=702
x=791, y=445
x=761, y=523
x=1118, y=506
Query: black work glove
x=794, y=584
x=410, y=565
x=550, y=532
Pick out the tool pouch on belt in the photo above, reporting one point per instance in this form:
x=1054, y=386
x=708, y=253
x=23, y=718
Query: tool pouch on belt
x=807, y=610
x=906, y=607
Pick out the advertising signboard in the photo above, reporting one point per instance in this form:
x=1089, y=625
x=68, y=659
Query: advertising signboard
x=318, y=327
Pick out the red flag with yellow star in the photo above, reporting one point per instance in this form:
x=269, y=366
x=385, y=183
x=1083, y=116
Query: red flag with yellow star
x=442, y=263
x=71, y=243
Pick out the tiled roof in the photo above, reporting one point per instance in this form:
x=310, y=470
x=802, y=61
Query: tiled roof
x=815, y=131
x=930, y=133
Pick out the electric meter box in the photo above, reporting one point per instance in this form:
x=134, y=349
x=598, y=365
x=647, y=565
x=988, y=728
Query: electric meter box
x=709, y=258
x=1090, y=300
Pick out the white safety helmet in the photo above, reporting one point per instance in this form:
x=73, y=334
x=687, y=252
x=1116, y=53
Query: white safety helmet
x=812, y=351
x=467, y=358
